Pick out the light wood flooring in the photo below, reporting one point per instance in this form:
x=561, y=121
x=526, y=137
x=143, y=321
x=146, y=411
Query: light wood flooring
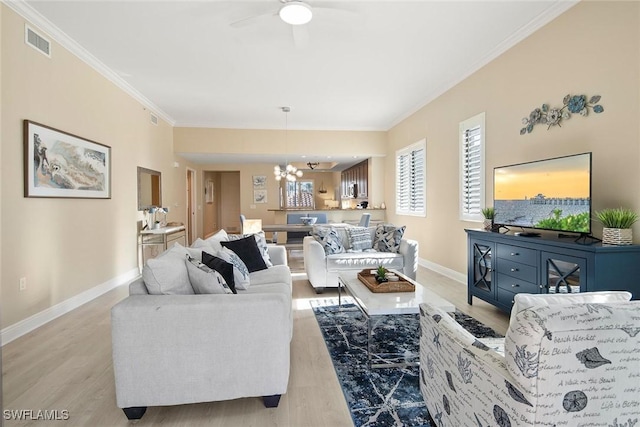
x=66, y=365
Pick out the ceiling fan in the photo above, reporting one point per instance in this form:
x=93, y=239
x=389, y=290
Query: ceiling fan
x=296, y=13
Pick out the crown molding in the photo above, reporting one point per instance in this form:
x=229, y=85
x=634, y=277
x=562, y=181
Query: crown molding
x=548, y=15
x=22, y=8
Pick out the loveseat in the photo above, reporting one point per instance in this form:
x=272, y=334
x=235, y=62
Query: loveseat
x=563, y=365
x=189, y=348
x=335, y=248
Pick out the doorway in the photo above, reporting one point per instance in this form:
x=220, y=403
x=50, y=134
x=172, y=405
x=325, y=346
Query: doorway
x=222, y=202
x=191, y=204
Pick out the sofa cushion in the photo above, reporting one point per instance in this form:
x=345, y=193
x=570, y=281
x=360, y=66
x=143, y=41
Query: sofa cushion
x=361, y=260
x=205, y=280
x=388, y=238
x=261, y=241
x=247, y=249
x=167, y=273
x=275, y=274
x=359, y=238
x=523, y=301
x=221, y=266
x=240, y=271
x=329, y=239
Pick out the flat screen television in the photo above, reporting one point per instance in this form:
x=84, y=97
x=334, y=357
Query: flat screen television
x=551, y=194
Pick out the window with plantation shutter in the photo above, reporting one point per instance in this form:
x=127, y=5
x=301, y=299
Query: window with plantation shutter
x=410, y=180
x=472, y=186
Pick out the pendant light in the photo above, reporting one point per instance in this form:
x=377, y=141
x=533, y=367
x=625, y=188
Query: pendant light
x=289, y=172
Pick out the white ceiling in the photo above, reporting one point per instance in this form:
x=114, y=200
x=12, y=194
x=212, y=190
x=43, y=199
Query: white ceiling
x=366, y=65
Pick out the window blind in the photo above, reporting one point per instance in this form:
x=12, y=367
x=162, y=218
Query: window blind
x=410, y=180
x=472, y=168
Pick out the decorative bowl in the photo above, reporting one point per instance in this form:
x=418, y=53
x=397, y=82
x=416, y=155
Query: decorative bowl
x=308, y=220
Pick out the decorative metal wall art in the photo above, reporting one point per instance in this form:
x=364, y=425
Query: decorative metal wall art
x=576, y=104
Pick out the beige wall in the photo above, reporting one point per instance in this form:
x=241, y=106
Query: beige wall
x=66, y=246
x=594, y=48
x=299, y=142
x=254, y=142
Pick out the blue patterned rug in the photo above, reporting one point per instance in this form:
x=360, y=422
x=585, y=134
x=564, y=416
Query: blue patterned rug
x=383, y=396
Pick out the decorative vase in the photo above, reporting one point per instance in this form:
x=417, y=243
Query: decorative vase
x=617, y=236
x=488, y=224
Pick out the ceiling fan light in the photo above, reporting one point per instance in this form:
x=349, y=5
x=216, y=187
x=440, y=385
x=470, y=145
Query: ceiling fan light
x=296, y=13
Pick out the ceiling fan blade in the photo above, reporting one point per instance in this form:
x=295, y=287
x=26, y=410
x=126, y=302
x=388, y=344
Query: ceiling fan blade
x=249, y=20
x=300, y=35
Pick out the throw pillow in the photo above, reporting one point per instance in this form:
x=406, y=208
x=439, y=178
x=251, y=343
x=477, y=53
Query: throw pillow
x=359, y=238
x=240, y=271
x=388, y=238
x=222, y=267
x=214, y=241
x=247, y=249
x=261, y=241
x=207, y=246
x=329, y=239
x=167, y=273
x=204, y=279
x=523, y=301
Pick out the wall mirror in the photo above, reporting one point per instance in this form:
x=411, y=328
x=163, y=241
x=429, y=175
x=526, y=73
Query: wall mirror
x=149, y=188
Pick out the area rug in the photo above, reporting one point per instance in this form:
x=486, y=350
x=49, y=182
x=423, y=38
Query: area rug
x=382, y=396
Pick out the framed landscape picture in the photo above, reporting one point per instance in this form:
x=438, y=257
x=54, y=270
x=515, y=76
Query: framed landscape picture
x=59, y=164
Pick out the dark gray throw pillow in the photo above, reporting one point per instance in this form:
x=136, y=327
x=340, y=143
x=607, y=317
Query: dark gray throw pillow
x=221, y=266
x=248, y=251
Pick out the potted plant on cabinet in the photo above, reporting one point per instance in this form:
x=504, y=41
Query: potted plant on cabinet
x=489, y=215
x=617, y=224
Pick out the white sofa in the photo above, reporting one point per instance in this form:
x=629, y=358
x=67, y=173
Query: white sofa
x=563, y=365
x=179, y=349
x=323, y=270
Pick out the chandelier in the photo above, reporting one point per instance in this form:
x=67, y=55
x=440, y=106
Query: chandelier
x=288, y=172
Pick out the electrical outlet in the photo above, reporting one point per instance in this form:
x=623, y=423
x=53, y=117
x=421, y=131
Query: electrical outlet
x=23, y=284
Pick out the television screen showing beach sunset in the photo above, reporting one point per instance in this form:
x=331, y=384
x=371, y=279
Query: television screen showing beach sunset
x=552, y=194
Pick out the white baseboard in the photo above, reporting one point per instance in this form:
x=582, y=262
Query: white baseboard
x=27, y=325
x=447, y=272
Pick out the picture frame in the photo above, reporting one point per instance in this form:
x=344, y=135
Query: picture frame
x=259, y=196
x=208, y=191
x=60, y=164
x=259, y=181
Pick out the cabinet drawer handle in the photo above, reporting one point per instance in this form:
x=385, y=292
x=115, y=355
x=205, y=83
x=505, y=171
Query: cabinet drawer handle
x=514, y=254
x=514, y=269
x=515, y=285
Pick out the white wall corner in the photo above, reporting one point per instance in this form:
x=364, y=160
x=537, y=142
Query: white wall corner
x=27, y=325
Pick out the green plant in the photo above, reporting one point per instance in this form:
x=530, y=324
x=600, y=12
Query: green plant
x=488, y=213
x=381, y=272
x=617, y=217
x=577, y=222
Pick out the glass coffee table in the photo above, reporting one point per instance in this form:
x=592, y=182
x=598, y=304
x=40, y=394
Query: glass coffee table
x=385, y=304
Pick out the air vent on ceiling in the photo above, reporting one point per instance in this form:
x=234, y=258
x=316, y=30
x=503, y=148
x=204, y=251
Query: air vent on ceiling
x=154, y=119
x=37, y=41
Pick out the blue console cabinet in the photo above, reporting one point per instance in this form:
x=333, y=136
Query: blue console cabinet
x=502, y=265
